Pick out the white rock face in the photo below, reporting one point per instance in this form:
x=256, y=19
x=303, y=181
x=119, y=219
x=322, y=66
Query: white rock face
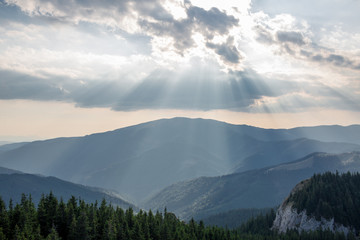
x=287, y=218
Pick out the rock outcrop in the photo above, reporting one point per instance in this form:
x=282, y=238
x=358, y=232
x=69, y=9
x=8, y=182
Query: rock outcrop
x=288, y=218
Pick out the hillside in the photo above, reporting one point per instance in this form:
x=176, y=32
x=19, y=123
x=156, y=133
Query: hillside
x=10, y=146
x=234, y=218
x=8, y=171
x=323, y=201
x=262, y=188
x=141, y=160
x=13, y=185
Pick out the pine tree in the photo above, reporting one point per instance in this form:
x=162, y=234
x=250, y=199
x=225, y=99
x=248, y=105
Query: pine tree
x=82, y=226
x=53, y=235
x=2, y=234
x=61, y=220
x=92, y=212
x=109, y=232
x=4, y=219
x=73, y=235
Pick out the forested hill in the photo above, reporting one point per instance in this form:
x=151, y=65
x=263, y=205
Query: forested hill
x=55, y=220
x=330, y=196
x=77, y=220
x=261, y=188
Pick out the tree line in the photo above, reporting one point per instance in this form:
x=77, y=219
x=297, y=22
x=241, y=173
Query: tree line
x=331, y=195
x=75, y=219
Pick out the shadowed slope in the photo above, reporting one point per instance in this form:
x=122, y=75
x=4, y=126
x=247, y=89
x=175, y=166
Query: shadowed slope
x=253, y=189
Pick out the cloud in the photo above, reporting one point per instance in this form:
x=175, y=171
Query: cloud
x=299, y=43
x=226, y=50
x=194, y=90
x=198, y=88
x=340, y=61
x=147, y=18
x=316, y=96
x=207, y=22
x=290, y=37
x=212, y=21
x=19, y=86
x=263, y=35
x=334, y=59
x=319, y=14
x=129, y=55
x=179, y=31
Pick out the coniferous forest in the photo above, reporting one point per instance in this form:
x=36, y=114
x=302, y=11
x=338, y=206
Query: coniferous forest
x=330, y=196
x=75, y=219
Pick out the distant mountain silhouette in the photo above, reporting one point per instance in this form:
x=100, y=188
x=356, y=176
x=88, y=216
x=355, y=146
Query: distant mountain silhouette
x=140, y=160
x=262, y=188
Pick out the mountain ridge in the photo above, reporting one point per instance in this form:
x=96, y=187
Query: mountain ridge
x=186, y=118
x=140, y=160
x=12, y=186
x=261, y=188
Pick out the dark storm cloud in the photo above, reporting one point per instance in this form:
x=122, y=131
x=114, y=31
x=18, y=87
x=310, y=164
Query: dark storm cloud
x=290, y=37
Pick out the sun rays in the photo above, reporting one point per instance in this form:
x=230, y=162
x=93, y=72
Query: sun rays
x=125, y=62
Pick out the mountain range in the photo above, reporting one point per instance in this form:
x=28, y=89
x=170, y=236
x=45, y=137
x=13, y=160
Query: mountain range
x=141, y=160
x=261, y=188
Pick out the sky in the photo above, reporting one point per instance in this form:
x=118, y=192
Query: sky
x=70, y=68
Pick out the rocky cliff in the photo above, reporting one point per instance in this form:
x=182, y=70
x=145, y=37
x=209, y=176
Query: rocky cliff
x=288, y=217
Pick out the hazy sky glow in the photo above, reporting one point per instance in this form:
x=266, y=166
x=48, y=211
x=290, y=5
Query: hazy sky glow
x=74, y=67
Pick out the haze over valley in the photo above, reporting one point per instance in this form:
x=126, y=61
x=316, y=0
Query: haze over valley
x=141, y=160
